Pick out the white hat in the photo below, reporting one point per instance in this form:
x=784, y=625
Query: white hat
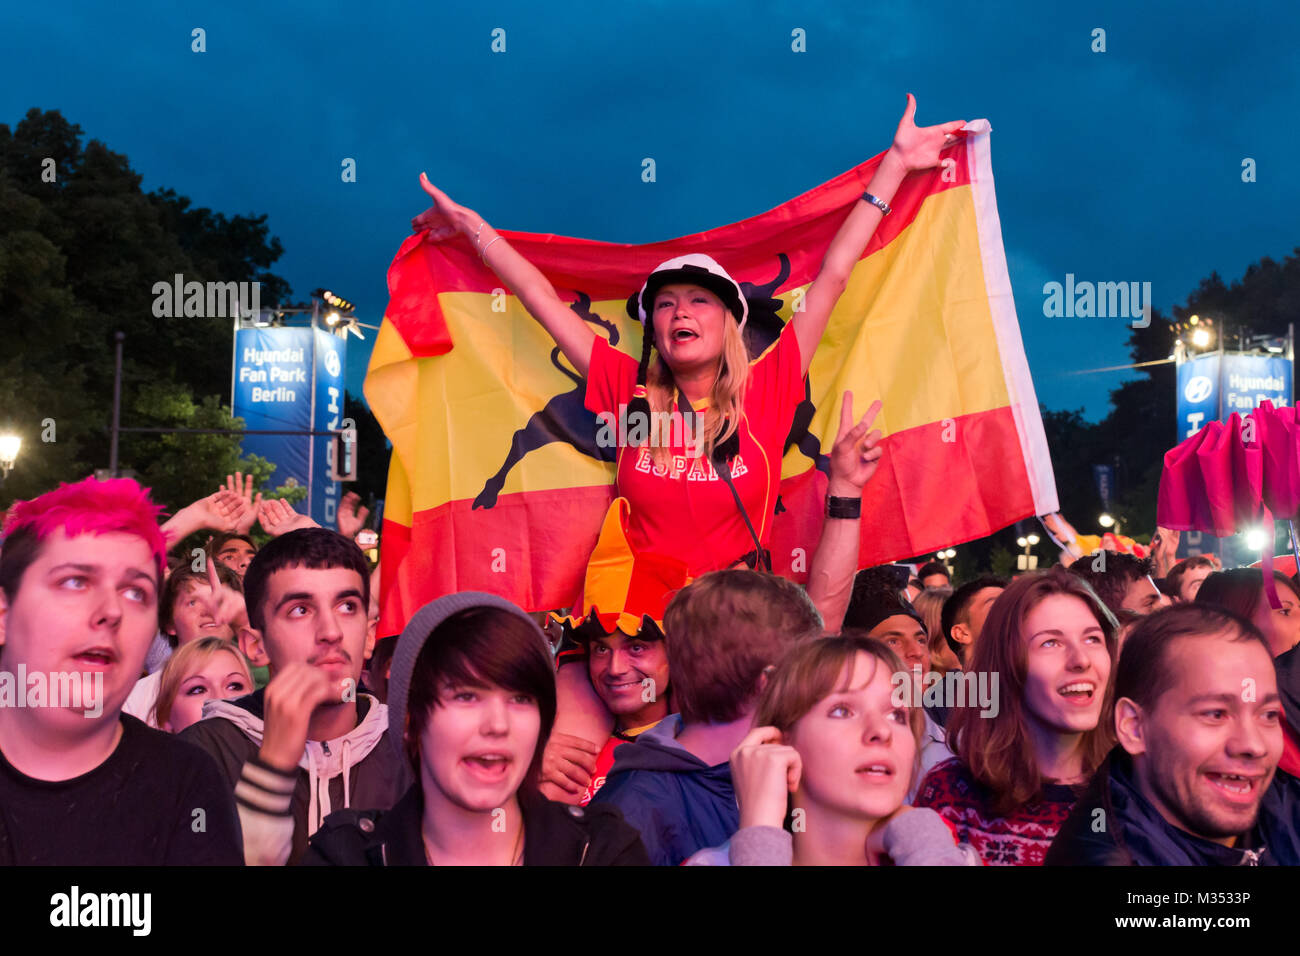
x=696, y=269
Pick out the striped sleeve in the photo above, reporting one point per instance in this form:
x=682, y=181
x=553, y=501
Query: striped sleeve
x=264, y=797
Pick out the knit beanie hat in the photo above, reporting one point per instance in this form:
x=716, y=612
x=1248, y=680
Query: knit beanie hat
x=412, y=641
x=874, y=599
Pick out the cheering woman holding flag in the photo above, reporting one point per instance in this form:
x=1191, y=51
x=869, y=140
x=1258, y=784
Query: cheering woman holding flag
x=708, y=501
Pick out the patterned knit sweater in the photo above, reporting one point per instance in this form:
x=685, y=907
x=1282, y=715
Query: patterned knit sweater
x=1020, y=839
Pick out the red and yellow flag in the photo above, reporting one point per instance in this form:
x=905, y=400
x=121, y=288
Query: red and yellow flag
x=497, y=483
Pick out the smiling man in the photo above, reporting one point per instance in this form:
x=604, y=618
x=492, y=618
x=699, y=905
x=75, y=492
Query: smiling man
x=617, y=635
x=81, y=783
x=1193, y=781
x=309, y=742
x=629, y=673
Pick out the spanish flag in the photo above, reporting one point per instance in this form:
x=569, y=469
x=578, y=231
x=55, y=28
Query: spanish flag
x=497, y=482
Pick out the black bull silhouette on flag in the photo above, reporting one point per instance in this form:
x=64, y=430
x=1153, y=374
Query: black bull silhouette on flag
x=565, y=418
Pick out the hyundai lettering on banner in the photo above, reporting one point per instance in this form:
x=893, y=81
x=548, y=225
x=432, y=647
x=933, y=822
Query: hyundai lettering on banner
x=1198, y=394
x=1250, y=379
x=273, y=392
x=331, y=360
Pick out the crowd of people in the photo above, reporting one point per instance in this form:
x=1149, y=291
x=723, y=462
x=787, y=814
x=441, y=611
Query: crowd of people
x=1098, y=714
x=237, y=704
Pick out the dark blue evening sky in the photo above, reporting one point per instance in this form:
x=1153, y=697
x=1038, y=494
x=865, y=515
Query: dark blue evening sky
x=1115, y=166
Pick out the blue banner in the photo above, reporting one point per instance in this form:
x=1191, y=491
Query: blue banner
x=1104, y=477
x=1198, y=394
x=1211, y=387
x=1191, y=543
x=331, y=361
x=1250, y=379
x=273, y=392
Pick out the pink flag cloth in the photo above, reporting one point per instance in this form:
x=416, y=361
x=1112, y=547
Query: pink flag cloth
x=1234, y=473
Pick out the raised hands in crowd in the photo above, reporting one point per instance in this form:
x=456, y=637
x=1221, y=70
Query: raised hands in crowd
x=235, y=509
x=352, y=515
x=278, y=517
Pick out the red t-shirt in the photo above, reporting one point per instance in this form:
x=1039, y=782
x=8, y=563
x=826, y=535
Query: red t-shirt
x=605, y=759
x=687, y=511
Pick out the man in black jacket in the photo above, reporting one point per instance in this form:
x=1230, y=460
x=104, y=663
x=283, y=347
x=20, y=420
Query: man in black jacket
x=558, y=835
x=1194, y=779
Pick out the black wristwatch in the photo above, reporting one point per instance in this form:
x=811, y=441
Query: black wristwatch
x=837, y=507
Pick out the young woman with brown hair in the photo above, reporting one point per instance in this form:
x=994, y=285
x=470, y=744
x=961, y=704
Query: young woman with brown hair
x=1048, y=643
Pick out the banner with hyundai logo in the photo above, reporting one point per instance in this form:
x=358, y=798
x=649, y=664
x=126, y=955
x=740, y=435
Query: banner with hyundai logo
x=291, y=379
x=273, y=393
x=1211, y=387
x=331, y=360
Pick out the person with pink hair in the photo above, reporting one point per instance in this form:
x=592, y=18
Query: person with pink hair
x=81, y=783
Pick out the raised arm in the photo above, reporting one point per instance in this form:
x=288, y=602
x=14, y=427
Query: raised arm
x=571, y=334
x=223, y=511
x=855, y=457
x=913, y=148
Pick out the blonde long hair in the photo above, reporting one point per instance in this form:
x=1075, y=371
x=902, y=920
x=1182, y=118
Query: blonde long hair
x=727, y=398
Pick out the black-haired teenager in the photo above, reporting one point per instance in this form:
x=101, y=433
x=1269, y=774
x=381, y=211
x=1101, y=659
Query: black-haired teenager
x=472, y=698
x=310, y=742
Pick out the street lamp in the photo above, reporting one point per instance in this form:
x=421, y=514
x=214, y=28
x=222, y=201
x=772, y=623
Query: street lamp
x=1027, y=561
x=1107, y=520
x=9, y=446
x=1200, y=333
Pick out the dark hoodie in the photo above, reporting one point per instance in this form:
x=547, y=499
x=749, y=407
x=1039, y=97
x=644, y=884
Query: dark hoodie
x=1114, y=825
x=678, y=802
x=1288, y=683
x=557, y=835
x=277, y=811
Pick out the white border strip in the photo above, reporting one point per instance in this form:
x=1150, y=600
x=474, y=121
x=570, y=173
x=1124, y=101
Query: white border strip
x=1002, y=306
